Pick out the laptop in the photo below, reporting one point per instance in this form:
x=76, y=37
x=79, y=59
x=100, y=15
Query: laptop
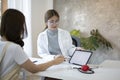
x=80, y=57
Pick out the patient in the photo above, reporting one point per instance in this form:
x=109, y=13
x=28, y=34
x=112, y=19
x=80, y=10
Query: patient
x=12, y=56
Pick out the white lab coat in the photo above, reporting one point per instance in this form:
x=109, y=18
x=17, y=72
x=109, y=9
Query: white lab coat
x=64, y=40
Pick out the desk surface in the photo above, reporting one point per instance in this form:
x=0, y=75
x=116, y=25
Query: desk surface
x=66, y=72
x=110, y=64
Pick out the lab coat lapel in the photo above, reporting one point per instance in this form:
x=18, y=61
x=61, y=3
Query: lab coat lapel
x=60, y=36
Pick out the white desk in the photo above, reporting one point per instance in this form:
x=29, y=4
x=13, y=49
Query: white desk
x=64, y=71
x=110, y=64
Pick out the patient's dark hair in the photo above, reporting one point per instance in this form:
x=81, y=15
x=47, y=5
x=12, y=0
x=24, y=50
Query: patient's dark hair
x=50, y=13
x=13, y=26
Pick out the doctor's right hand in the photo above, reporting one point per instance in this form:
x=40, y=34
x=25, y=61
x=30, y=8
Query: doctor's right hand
x=59, y=59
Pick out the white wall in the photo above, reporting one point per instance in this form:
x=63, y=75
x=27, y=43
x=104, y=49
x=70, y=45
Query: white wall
x=38, y=9
x=86, y=15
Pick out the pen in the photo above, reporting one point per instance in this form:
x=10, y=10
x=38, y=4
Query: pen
x=34, y=61
x=76, y=67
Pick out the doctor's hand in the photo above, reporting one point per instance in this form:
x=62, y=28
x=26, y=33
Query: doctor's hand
x=58, y=59
x=79, y=48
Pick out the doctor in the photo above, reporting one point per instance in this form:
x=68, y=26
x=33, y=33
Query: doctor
x=53, y=40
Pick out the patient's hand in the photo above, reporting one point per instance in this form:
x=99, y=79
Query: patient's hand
x=57, y=56
x=58, y=59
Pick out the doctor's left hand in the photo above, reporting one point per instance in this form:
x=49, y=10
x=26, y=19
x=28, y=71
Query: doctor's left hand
x=79, y=48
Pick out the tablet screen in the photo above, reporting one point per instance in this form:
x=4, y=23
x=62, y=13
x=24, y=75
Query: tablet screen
x=80, y=57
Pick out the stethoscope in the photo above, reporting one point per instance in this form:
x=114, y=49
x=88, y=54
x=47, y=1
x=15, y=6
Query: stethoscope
x=85, y=69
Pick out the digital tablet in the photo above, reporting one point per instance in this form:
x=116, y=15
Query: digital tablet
x=80, y=57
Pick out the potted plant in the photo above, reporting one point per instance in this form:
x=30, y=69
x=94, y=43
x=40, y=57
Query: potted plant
x=94, y=41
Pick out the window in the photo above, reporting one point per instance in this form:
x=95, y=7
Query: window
x=25, y=7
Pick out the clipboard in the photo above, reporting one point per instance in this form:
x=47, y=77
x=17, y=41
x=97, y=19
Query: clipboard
x=80, y=57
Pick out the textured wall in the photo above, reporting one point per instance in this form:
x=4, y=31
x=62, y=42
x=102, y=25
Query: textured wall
x=86, y=15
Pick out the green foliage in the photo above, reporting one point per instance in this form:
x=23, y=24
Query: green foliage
x=94, y=41
x=75, y=33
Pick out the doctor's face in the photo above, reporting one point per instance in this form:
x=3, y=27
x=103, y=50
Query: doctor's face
x=52, y=23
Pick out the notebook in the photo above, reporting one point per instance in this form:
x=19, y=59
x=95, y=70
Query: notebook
x=80, y=57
